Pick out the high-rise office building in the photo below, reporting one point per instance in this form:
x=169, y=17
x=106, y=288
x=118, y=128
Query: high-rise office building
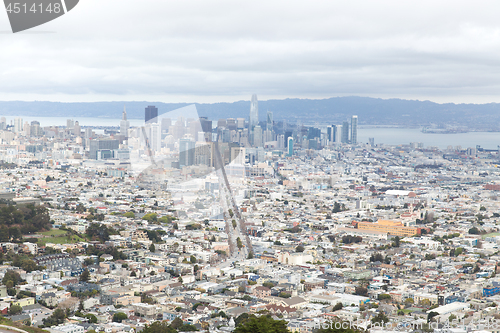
x=281, y=141
x=206, y=127
x=18, y=125
x=27, y=129
x=288, y=134
x=186, y=152
x=231, y=124
x=354, y=130
x=371, y=141
x=77, y=130
x=221, y=123
x=88, y=133
x=240, y=122
x=331, y=133
x=313, y=132
x=344, y=137
x=155, y=137
x=70, y=124
x=290, y=146
x=269, y=121
x=124, y=124
x=3, y=123
x=35, y=129
x=151, y=114
x=254, y=112
x=257, y=136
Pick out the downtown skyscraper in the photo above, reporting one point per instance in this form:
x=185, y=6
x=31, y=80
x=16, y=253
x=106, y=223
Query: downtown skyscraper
x=254, y=113
x=344, y=136
x=354, y=130
x=124, y=124
x=151, y=114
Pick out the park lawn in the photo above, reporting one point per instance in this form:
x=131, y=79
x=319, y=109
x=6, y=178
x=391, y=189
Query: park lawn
x=61, y=240
x=493, y=234
x=53, y=232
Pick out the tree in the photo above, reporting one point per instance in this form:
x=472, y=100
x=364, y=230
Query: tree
x=187, y=328
x=262, y=324
x=85, y=276
x=151, y=217
x=152, y=248
x=377, y=257
x=57, y=317
x=431, y=315
x=133, y=274
x=380, y=318
x=474, y=231
x=425, y=302
x=88, y=262
x=239, y=244
x=92, y=319
x=160, y=327
x=299, y=248
x=284, y=295
x=268, y=285
x=11, y=279
x=129, y=215
x=382, y=297
x=250, y=255
x=80, y=306
x=337, y=306
x=242, y=318
x=119, y=317
x=176, y=323
x=361, y=291
x=192, y=259
x=15, y=309
x=396, y=242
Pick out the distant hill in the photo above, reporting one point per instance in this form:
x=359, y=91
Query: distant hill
x=371, y=111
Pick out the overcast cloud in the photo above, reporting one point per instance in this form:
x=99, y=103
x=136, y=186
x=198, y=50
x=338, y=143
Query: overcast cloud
x=212, y=50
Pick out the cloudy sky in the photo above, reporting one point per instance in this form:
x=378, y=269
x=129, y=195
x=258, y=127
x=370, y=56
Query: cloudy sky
x=213, y=50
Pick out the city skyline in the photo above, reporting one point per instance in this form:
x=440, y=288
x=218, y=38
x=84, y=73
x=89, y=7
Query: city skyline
x=265, y=166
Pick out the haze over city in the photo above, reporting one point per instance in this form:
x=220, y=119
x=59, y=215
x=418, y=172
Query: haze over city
x=221, y=51
x=249, y=167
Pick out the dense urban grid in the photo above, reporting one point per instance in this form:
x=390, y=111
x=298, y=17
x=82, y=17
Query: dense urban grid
x=193, y=224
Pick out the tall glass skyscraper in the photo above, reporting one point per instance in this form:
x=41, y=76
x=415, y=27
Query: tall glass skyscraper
x=254, y=113
x=354, y=130
x=344, y=135
x=290, y=146
x=151, y=113
x=269, y=123
x=331, y=133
